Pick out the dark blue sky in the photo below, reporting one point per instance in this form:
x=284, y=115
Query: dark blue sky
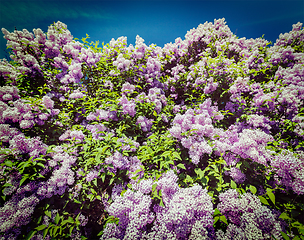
x=156, y=22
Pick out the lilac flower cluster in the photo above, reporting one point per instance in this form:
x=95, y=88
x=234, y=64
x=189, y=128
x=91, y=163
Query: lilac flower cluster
x=186, y=212
x=72, y=135
x=16, y=213
x=237, y=175
x=121, y=63
x=27, y=115
x=200, y=123
x=157, y=96
x=76, y=94
x=128, y=107
x=18, y=209
x=251, y=144
x=9, y=93
x=144, y=123
x=7, y=132
x=62, y=175
x=127, y=88
x=96, y=130
x=128, y=144
x=118, y=161
x=91, y=175
x=248, y=218
x=289, y=171
x=100, y=115
x=287, y=38
x=20, y=144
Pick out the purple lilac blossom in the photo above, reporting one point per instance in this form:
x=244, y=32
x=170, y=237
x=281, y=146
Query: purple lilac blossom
x=127, y=88
x=118, y=161
x=76, y=94
x=237, y=175
x=48, y=102
x=22, y=145
x=91, y=175
x=96, y=130
x=247, y=216
x=187, y=211
x=289, y=171
x=144, y=123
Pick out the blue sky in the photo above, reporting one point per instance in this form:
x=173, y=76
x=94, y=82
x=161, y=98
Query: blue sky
x=158, y=22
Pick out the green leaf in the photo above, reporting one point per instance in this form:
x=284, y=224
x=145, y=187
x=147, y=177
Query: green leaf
x=154, y=187
x=24, y=178
x=41, y=165
x=216, y=212
x=7, y=185
x=55, y=230
x=271, y=195
x=223, y=219
x=45, y=231
x=263, y=200
x=30, y=235
x=48, y=213
x=57, y=218
x=199, y=172
x=181, y=166
x=216, y=219
x=284, y=215
x=41, y=227
x=94, y=181
x=233, y=184
x=284, y=235
x=161, y=203
x=177, y=155
x=9, y=163
x=111, y=181
x=103, y=176
x=253, y=189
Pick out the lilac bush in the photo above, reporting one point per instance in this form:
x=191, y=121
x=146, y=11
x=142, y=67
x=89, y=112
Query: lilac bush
x=200, y=139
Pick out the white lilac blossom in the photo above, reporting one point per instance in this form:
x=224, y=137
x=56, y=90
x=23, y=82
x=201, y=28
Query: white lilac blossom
x=199, y=122
x=48, y=102
x=96, y=130
x=7, y=132
x=17, y=211
x=61, y=178
x=251, y=144
x=73, y=135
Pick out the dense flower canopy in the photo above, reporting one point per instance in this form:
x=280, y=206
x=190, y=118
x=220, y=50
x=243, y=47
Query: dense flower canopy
x=200, y=139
